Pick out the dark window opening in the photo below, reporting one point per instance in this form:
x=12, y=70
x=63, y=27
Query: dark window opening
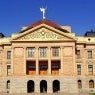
x=56, y=86
x=30, y=67
x=91, y=84
x=30, y=86
x=79, y=84
x=43, y=86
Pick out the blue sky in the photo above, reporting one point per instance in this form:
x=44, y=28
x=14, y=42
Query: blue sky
x=79, y=14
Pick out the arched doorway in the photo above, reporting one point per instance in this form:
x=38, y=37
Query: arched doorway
x=30, y=86
x=56, y=86
x=43, y=86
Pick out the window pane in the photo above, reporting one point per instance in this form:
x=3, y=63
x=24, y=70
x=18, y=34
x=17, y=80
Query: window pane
x=78, y=54
x=91, y=84
x=90, y=69
x=31, y=51
x=8, y=84
x=90, y=54
x=79, y=84
x=79, y=69
x=8, y=54
x=8, y=69
x=55, y=51
x=43, y=52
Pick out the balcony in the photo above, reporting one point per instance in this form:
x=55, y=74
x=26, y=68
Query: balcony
x=43, y=67
x=30, y=68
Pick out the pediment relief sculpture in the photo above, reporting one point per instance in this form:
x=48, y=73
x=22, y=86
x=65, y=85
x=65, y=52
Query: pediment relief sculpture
x=42, y=35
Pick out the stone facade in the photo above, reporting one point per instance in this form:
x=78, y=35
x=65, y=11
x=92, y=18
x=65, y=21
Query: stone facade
x=46, y=58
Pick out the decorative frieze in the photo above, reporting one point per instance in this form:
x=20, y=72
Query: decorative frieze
x=42, y=34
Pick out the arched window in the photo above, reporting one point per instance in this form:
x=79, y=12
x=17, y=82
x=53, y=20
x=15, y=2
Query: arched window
x=56, y=85
x=8, y=84
x=79, y=84
x=43, y=86
x=30, y=86
x=91, y=84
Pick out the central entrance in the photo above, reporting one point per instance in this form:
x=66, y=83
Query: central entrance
x=43, y=86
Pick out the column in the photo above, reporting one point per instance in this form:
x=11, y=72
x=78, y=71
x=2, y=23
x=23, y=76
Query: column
x=25, y=52
x=37, y=60
x=37, y=86
x=49, y=60
x=49, y=87
x=61, y=55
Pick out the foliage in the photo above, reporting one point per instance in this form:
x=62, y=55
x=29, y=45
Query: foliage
x=93, y=94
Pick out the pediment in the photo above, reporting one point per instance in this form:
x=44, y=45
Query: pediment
x=43, y=34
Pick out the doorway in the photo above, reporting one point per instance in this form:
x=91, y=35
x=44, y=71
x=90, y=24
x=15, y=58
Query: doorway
x=56, y=86
x=43, y=86
x=30, y=86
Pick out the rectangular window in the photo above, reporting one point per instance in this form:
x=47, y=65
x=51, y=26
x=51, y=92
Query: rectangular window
x=90, y=69
x=89, y=54
x=79, y=69
x=55, y=51
x=8, y=69
x=43, y=51
x=8, y=54
x=31, y=51
x=78, y=54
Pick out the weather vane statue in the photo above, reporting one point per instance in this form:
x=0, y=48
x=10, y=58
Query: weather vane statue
x=43, y=10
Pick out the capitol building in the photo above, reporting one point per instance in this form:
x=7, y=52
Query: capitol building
x=46, y=57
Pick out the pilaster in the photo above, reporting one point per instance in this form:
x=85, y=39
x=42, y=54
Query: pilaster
x=25, y=52
x=37, y=63
x=61, y=55
x=37, y=86
x=49, y=87
x=49, y=60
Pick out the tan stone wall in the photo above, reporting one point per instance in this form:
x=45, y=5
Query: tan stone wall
x=84, y=61
x=5, y=61
x=1, y=59
x=67, y=74
x=19, y=84
x=18, y=61
x=67, y=56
